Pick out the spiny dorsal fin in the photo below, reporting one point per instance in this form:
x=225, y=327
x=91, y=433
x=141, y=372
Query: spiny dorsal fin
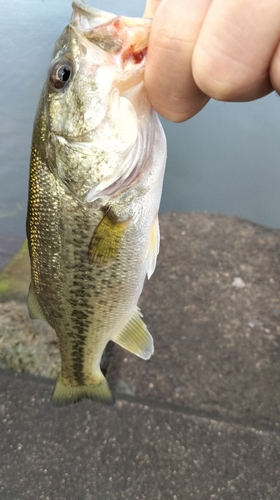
x=135, y=337
x=106, y=240
x=34, y=308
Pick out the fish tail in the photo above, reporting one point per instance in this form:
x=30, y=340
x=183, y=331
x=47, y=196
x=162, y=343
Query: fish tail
x=65, y=394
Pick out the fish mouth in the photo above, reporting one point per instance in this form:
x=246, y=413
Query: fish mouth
x=96, y=16
x=114, y=34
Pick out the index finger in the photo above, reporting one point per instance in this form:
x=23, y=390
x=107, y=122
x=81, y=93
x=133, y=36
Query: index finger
x=168, y=75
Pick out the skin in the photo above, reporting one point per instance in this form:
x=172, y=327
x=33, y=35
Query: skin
x=202, y=49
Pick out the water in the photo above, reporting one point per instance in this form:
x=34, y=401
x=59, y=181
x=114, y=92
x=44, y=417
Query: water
x=226, y=159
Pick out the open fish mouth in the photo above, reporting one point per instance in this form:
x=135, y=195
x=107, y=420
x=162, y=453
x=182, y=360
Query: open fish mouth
x=114, y=34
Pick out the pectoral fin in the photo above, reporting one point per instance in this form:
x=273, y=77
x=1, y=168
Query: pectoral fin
x=135, y=337
x=107, y=239
x=34, y=308
x=153, y=248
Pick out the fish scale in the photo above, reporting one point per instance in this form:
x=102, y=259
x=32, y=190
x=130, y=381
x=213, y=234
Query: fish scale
x=96, y=177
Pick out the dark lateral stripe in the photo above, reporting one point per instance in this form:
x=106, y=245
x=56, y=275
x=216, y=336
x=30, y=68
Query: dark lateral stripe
x=80, y=322
x=80, y=297
x=78, y=357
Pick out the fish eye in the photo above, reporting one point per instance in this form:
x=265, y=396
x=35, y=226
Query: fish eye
x=61, y=73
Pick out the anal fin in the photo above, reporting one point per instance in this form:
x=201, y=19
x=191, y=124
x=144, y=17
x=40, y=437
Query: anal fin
x=34, y=308
x=135, y=337
x=107, y=239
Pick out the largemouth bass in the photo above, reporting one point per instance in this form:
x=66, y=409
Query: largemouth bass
x=97, y=165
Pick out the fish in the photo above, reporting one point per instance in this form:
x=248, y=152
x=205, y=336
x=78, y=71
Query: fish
x=96, y=171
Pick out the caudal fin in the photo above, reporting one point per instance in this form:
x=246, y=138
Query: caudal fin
x=65, y=394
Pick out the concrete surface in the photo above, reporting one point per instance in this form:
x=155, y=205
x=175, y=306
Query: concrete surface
x=133, y=451
x=200, y=420
x=217, y=345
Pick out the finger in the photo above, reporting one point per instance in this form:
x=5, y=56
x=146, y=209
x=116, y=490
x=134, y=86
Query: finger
x=275, y=70
x=151, y=7
x=233, y=52
x=168, y=74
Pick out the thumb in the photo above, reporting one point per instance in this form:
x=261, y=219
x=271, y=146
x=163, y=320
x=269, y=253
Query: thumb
x=275, y=70
x=151, y=7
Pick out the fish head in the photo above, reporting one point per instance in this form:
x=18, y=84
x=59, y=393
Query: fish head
x=96, y=107
x=97, y=56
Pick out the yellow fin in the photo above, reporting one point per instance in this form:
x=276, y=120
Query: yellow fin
x=107, y=239
x=65, y=394
x=135, y=337
x=34, y=308
x=153, y=248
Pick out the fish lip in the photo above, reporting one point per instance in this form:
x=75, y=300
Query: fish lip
x=121, y=36
x=82, y=7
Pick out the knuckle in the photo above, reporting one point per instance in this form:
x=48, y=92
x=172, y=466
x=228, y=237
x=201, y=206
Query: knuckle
x=227, y=78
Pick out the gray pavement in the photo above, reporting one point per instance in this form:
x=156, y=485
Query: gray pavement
x=200, y=420
x=132, y=451
x=217, y=345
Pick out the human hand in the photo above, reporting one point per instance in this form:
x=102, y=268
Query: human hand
x=228, y=50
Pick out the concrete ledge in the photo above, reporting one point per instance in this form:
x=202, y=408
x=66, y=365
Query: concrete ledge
x=132, y=451
x=213, y=309
x=199, y=420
